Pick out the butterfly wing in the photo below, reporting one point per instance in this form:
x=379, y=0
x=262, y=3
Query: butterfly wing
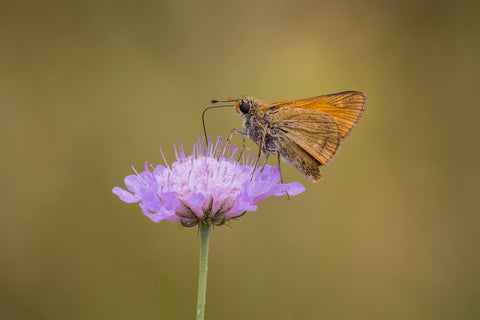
x=345, y=107
x=301, y=160
x=306, y=138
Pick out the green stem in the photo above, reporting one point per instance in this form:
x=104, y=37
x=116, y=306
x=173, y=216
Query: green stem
x=202, y=274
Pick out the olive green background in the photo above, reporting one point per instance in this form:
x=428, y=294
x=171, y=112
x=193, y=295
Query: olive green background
x=89, y=87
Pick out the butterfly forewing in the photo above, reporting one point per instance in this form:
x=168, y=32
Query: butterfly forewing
x=345, y=107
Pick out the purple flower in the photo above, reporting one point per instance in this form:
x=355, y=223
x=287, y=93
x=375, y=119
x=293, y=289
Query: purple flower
x=203, y=186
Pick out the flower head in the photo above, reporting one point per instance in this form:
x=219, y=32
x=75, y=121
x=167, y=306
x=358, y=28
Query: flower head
x=203, y=186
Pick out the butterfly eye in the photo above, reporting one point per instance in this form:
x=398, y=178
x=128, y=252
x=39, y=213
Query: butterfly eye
x=245, y=107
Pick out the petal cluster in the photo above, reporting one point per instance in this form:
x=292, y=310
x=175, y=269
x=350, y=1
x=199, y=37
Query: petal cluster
x=203, y=186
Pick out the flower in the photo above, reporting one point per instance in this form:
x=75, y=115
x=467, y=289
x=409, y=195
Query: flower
x=203, y=186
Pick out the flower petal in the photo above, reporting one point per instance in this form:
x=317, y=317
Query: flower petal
x=154, y=216
x=196, y=203
x=293, y=188
x=125, y=195
x=134, y=183
x=244, y=202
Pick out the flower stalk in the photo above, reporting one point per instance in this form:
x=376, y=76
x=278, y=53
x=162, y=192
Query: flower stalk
x=204, y=229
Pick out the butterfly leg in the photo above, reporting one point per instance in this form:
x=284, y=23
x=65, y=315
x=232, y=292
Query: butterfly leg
x=229, y=139
x=258, y=158
x=280, y=171
x=241, y=150
x=260, y=143
x=264, y=163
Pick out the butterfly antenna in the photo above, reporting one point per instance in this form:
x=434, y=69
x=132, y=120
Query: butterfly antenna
x=205, y=110
x=229, y=100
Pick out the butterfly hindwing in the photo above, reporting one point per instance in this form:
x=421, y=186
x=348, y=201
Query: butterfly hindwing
x=314, y=132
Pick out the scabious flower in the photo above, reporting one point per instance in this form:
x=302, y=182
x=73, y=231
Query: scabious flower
x=203, y=186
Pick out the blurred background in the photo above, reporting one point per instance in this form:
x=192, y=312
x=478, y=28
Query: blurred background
x=90, y=87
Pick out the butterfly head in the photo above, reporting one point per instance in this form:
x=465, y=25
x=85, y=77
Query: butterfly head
x=245, y=104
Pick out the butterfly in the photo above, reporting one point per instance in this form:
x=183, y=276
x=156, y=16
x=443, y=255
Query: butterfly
x=307, y=133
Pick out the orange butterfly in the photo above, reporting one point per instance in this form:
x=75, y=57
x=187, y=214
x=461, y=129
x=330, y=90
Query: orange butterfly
x=307, y=133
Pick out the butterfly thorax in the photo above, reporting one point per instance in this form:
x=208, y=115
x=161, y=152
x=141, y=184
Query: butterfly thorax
x=257, y=122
